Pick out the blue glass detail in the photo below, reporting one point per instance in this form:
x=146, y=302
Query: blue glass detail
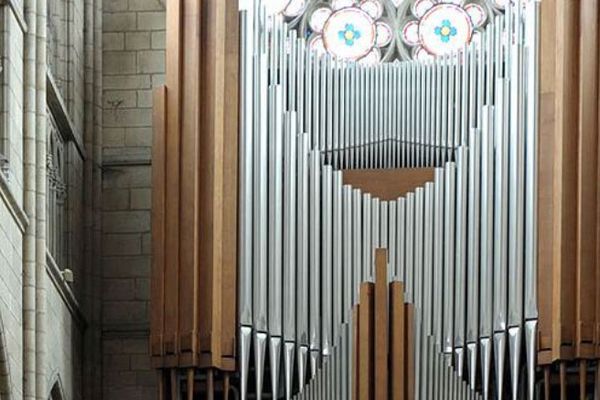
x=445, y=31
x=349, y=34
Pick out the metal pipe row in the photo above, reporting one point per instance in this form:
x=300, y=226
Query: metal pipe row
x=464, y=244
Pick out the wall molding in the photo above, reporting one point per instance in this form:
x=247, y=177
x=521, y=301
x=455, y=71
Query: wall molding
x=65, y=292
x=59, y=111
x=13, y=206
x=16, y=11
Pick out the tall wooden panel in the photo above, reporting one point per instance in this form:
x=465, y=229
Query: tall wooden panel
x=381, y=324
x=194, y=189
x=366, y=324
x=569, y=250
x=397, y=341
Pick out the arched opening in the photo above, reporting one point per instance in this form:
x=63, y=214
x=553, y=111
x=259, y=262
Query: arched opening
x=56, y=393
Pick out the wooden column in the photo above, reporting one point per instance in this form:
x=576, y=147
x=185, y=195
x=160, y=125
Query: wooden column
x=366, y=332
x=397, y=341
x=410, y=352
x=381, y=325
x=194, y=218
x=587, y=260
x=356, y=361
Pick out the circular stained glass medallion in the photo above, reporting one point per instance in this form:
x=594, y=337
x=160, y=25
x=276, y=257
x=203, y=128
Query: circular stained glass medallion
x=349, y=33
x=445, y=28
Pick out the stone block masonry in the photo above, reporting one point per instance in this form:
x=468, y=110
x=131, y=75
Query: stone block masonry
x=133, y=63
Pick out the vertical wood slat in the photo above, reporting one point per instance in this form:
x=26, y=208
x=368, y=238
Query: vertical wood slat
x=587, y=179
x=189, y=201
x=410, y=352
x=218, y=152
x=546, y=179
x=158, y=225
x=365, y=344
x=397, y=341
x=190, y=383
x=597, y=327
x=230, y=182
x=355, y=351
x=565, y=180
x=381, y=325
x=173, y=57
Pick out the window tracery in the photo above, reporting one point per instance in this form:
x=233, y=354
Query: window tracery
x=373, y=31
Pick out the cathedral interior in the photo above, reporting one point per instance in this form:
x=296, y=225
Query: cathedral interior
x=299, y=199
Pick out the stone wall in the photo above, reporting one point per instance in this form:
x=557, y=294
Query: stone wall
x=134, y=59
x=11, y=203
x=11, y=305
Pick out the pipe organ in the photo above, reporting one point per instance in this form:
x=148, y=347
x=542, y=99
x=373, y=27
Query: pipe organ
x=434, y=163
x=463, y=244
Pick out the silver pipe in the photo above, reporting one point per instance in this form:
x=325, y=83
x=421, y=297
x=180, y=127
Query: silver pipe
x=348, y=248
x=501, y=223
x=449, y=254
x=531, y=185
x=384, y=211
x=500, y=196
x=275, y=343
x=438, y=260
x=367, y=237
x=324, y=71
x=338, y=272
x=392, y=243
x=409, y=249
x=516, y=203
x=288, y=358
x=473, y=261
x=328, y=111
x=427, y=274
x=487, y=244
x=277, y=94
x=292, y=71
x=375, y=233
x=275, y=210
x=335, y=110
x=246, y=163
x=418, y=289
x=289, y=246
x=315, y=253
x=399, y=271
x=308, y=96
x=302, y=237
x=357, y=242
x=326, y=260
x=315, y=104
x=260, y=190
x=441, y=107
x=461, y=265
x=301, y=57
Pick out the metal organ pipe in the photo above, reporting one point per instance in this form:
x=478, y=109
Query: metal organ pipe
x=464, y=244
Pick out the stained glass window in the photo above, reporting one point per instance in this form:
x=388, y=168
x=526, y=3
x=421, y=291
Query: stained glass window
x=372, y=31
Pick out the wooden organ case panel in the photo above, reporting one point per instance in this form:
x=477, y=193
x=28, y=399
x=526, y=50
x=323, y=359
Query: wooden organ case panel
x=569, y=176
x=194, y=217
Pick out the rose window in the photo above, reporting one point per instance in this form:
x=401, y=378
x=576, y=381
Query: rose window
x=372, y=31
x=351, y=31
x=442, y=27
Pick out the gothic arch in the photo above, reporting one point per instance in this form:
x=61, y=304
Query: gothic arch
x=56, y=393
x=5, y=383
